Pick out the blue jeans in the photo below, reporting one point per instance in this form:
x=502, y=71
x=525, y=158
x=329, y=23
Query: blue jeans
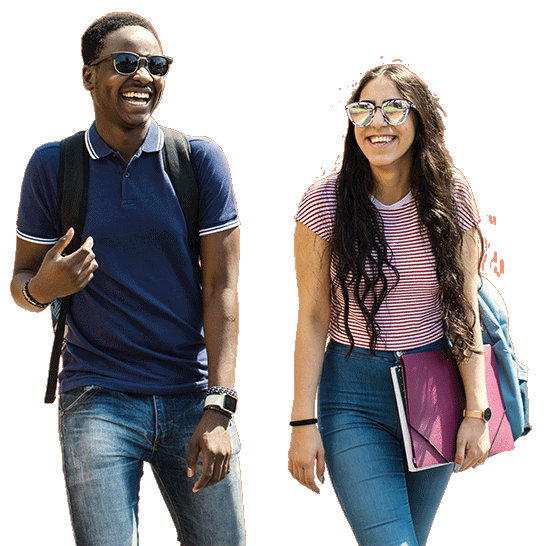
x=106, y=436
x=385, y=504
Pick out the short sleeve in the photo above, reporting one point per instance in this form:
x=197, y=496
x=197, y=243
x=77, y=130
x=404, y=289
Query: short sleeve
x=317, y=208
x=38, y=218
x=467, y=210
x=217, y=205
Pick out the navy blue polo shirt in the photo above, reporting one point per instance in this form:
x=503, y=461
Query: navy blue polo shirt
x=137, y=326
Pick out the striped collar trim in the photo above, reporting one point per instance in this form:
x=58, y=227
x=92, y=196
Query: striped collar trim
x=98, y=149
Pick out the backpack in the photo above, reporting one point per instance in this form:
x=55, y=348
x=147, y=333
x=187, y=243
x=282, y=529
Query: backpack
x=72, y=197
x=512, y=374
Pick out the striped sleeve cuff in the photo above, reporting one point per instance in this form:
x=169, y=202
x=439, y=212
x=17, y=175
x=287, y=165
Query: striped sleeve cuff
x=222, y=227
x=38, y=240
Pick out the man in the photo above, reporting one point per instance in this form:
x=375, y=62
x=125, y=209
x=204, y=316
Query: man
x=149, y=329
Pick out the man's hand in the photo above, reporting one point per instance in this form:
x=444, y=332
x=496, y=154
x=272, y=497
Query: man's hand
x=60, y=275
x=212, y=438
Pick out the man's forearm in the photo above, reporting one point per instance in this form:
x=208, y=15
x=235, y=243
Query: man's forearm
x=221, y=325
x=17, y=282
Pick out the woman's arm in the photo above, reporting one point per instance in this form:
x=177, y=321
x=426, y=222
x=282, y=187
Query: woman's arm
x=473, y=438
x=313, y=275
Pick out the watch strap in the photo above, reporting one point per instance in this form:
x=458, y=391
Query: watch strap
x=224, y=401
x=476, y=414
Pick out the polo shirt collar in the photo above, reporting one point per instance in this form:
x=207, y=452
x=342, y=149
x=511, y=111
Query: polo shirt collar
x=98, y=149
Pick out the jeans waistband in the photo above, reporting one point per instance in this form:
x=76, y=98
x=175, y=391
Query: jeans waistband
x=393, y=356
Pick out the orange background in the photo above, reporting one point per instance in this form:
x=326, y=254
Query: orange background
x=268, y=81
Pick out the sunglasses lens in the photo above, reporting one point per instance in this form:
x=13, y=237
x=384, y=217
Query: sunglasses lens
x=126, y=63
x=361, y=114
x=396, y=111
x=158, y=65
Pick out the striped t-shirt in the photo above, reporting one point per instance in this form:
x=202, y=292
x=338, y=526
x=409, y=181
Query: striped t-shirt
x=410, y=316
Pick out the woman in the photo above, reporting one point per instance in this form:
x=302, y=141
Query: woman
x=386, y=262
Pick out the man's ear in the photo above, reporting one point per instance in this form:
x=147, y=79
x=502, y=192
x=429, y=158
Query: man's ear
x=87, y=75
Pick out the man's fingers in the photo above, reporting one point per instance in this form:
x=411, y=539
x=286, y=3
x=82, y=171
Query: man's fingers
x=207, y=474
x=193, y=457
x=83, y=259
x=84, y=251
x=63, y=242
x=88, y=244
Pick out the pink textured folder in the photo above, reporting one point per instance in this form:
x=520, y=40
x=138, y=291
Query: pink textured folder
x=434, y=403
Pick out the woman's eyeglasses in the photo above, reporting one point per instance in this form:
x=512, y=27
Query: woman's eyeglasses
x=127, y=63
x=395, y=111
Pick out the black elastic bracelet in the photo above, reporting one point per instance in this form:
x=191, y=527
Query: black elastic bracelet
x=303, y=422
x=219, y=410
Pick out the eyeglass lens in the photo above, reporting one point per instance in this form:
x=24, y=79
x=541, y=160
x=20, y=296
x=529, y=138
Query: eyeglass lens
x=395, y=112
x=127, y=63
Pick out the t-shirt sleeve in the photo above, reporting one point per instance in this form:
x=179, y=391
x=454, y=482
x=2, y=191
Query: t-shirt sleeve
x=38, y=218
x=317, y=207
x=467, y=209
x=217, y=205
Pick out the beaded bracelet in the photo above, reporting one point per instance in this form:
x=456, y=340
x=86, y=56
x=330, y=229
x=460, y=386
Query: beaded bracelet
x=221, y=390
x=303, y=422
x=30, y=299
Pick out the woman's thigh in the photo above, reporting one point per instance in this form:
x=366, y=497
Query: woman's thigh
x=384, y=503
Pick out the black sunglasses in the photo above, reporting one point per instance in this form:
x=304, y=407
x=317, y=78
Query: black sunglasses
x=127, y=63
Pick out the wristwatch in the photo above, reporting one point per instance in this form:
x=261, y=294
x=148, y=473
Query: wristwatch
x=484, y=415
x=225, y=403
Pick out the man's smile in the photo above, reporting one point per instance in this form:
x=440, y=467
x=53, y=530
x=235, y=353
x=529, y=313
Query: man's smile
x=137, y=98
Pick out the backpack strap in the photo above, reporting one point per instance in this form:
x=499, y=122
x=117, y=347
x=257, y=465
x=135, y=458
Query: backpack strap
x=181, y=169
x=72, y=197
x=73, y=185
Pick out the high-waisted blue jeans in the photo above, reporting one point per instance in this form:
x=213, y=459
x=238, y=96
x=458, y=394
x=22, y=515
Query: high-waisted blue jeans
x=106, y=436
x=385, y=504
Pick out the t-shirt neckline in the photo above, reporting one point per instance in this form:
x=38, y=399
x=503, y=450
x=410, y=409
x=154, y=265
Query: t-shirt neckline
x=406, y=199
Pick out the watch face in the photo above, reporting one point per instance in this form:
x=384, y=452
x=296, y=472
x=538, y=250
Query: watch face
x=487, y=414
x=230, y=403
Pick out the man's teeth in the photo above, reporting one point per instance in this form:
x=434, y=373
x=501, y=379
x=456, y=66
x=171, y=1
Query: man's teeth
x=133, y=95
x=381, y=139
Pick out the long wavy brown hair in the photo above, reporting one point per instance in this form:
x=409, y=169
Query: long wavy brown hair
x=358, y=240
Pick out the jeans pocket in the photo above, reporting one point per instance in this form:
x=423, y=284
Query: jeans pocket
x=70, y=401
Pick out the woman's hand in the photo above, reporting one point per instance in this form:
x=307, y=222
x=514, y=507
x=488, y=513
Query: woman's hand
x=473, y=444
x=306, y=454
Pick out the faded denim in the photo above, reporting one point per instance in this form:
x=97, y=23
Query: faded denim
x=385, y=504
x=106, y=436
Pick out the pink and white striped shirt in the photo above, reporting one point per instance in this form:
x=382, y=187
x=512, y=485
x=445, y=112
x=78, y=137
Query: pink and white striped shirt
x=410, y=316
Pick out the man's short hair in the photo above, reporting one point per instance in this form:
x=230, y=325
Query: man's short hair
x=94, y=37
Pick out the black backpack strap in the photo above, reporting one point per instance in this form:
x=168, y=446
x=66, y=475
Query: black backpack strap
x=183, y=174
x=72, y=196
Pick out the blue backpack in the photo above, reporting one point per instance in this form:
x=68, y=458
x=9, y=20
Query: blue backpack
x=512, y=374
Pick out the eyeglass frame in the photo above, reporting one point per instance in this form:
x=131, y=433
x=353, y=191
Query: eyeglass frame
x=375, y=107
x=139, y=58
